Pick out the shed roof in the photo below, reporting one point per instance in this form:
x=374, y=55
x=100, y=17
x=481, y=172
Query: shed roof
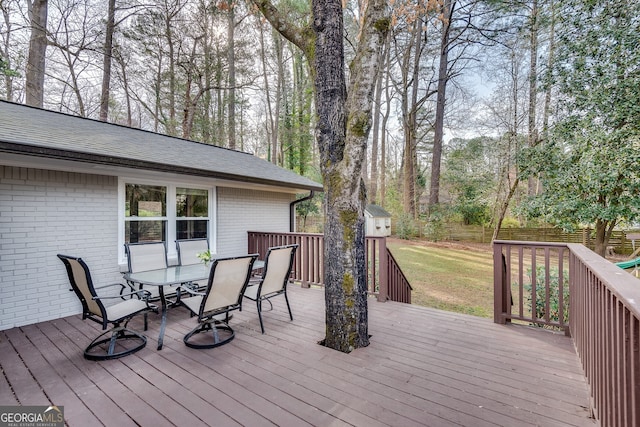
x=377, y=211
x=36, y=132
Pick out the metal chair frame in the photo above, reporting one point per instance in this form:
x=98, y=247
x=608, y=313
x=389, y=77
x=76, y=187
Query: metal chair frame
x=118, y=314
x=279, y=278
x=227, y=282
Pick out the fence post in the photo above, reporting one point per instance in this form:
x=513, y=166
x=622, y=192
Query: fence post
x=383, y=270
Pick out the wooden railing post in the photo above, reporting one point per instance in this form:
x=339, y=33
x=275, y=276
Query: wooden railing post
x=383, y=271
x=305, y=260
x=499, y=271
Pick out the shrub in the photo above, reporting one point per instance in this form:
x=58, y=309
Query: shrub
x=405, y=227
x=554, y=300
x=434, y=229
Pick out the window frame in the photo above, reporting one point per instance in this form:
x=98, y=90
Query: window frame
x=171, y=214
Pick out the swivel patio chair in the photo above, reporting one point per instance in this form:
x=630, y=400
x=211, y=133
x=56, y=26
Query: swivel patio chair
x=121, y=340
x=227, y=281
x=277, y=269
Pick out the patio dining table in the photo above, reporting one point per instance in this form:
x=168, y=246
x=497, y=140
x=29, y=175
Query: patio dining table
x=172, y=276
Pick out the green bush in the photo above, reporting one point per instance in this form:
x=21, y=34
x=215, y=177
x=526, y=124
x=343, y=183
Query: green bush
x=554, y=300
x=510, y=222
x=434, y=229
x=405, y=227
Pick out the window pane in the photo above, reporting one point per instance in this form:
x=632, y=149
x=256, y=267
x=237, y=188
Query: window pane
x=144, y=231
x=145, y=200
x=192, y=203
x=192, y=229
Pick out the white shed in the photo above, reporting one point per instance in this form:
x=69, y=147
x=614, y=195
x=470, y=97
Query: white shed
x=377, y=221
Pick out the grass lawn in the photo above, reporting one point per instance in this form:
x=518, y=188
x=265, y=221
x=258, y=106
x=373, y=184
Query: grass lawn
x=448, y=276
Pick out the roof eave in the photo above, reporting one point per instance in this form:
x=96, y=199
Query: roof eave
x=32, y=150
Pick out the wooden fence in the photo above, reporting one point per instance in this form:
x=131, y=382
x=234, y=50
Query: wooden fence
x=619, y=241
x=586, y=236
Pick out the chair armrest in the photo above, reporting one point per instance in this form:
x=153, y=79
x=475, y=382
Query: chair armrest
x=141, y=294
x=191, y=291
x=122, y=286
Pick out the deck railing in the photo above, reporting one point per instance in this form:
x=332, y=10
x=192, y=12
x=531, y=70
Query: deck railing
x=385, y=279
x=600, y=310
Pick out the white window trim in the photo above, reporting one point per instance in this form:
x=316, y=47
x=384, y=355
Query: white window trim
x=171, y=186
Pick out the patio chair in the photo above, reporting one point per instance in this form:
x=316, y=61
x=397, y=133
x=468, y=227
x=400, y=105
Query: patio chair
x=188, y=250
x=122, y=340
x=227, y=281
x=277, y=269
x=147, y=256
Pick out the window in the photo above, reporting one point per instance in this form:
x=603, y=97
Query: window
x=145, y=216
x=164, y=213
x=192, y=213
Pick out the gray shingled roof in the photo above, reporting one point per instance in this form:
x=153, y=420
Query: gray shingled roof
x=377, y=211
x=42, y=133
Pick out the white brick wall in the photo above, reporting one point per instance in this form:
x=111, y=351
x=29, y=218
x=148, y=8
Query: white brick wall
x=43, y=213
x=241, y=210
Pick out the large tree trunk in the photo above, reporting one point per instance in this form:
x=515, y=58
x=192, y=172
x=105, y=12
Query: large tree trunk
x=171, y=125
x=125, y=87
x=603, y=234
x=443, y=77
x=6, y=58
x=270, y=125
x=410, y=119
x=550, y=65
x=34, y=95
x=231, y=58
x=533, y=88
x=106, y=63
x=343, y=124
x=377, y=118
x=342, y=151
x=383, y=139
x=276, y=147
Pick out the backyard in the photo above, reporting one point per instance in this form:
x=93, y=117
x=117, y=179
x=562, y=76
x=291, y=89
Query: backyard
x=450, y=276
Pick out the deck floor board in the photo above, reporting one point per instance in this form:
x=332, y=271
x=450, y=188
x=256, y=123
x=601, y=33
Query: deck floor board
x=424, y=367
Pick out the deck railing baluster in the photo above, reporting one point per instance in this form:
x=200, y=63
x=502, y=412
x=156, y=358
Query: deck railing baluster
x=385, y=279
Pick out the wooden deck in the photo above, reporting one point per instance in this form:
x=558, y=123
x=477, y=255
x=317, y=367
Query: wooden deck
x=423, y=367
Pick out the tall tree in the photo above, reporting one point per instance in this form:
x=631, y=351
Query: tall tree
x=37, y=49
x=107, y=59
x=231, y=71
x=343, y=124
x=591, y=165
x=410, y=106
x=377, y=119
x=446, y=13
x=532, y=137
x=8, y=8
x=508, y=115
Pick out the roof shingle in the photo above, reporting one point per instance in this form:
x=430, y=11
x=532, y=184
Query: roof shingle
x=38, y=132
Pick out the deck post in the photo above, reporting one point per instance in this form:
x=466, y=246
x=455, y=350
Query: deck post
x=383, y=271
x=499, y=288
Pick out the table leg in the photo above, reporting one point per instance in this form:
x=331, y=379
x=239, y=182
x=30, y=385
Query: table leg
x=163, y=321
